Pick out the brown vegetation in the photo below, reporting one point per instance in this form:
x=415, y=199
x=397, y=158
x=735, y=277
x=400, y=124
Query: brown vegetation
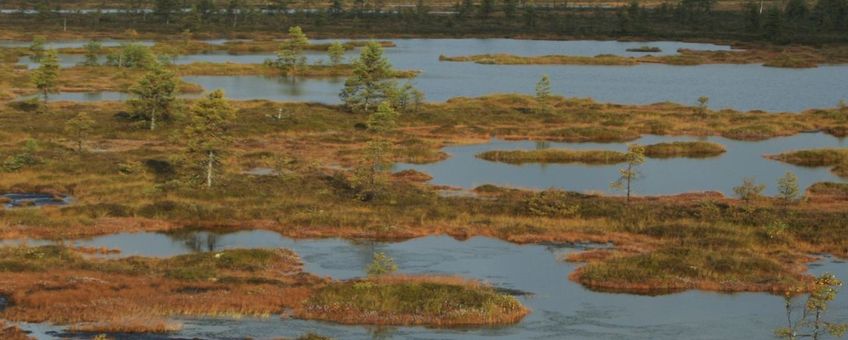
x=684, y=149
x=785, y=57
x=554, y=156
x=132, y=180
x=137, y=295
x=12, y=332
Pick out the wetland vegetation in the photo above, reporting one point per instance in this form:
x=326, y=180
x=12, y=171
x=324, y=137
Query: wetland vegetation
x=786, y=57
x=837, y=159
x=177, y=156
x=140, y=294
x=660, y=150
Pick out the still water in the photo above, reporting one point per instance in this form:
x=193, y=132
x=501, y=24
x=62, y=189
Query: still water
x=659, y=176
x=560, y=308
x=743, y=87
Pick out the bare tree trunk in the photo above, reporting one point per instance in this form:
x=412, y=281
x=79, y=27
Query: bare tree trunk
x=153, y=120
x=209, y=169
x=629, y=180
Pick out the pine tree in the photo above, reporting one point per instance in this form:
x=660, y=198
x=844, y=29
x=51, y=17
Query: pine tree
x=155, y=95
x=635, y=157
x=797, y=10
x=290, y=57
x=463, y=10
x=787, y=187
x=336, y=53
x=207, y=134
x=381, y=264
x=703, y=106
x=37, y=47
x=165, y=9
x=370, y=83
x=774, y=24
x=337, y=7
x=510, y=7
x=543, y=88
x=530, y=15
x=383, y=120
x=78, y=129
x=486, y=8
x=370, y=176
x=749, y=190
x=92, y=53
x=45, y=77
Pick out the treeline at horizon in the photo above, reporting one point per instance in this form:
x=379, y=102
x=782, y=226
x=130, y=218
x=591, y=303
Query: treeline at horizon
x=798, y=21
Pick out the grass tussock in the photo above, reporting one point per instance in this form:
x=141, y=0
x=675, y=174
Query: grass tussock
x=837, y=159
x=554, y=156
x=412, y=301
x=508, y=59
x=679, y=268
x=770, y=56
x=645, y=49
x=602, y=157
x=129, y=325
x=684, y=149
x=828, y=192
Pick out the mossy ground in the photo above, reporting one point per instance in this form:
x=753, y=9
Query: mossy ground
x=139, y=295
x=412, y=300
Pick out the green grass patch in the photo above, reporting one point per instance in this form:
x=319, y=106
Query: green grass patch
x=554, y=156
x=413, y=301
x=684, y=149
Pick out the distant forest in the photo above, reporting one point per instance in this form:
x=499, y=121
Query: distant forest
x=796, y=21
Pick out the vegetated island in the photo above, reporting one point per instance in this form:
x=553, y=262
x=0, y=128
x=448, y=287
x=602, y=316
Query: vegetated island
x=645, y=49
x=603, y=157
x=837, y=159
x=139, y=295
x=412, y=300
x=788, y=57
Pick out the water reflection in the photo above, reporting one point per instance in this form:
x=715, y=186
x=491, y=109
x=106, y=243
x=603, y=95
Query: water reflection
x=661, y=176
x=560, y=307
x=743, y=87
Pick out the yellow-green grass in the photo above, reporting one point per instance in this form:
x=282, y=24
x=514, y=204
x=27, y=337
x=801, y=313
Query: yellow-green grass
x=684, y=149
x=660, y=150
x=507, y=59
x=554, y=156
x=835, y=158
x=444, y=302
x=786, y=57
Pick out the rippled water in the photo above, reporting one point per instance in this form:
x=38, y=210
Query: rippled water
x=560, y=307
x=660, y=176
x=742, y=87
